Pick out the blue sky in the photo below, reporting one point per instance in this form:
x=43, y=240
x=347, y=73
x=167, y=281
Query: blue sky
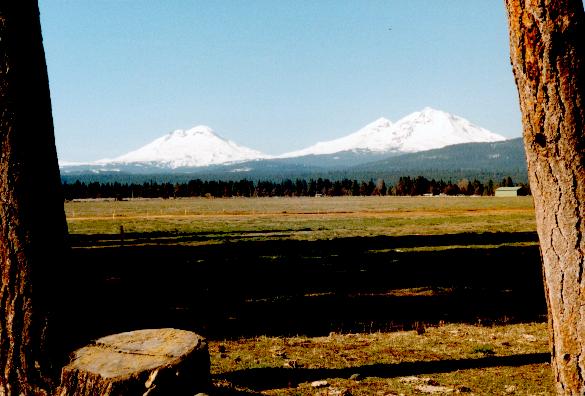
x=272, y=75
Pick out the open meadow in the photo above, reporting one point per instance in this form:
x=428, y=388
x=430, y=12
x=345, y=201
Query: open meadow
x=303, y=218
x=404, y=295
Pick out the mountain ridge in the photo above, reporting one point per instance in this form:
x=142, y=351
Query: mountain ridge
x=415, y=132
x=201, y=146
x=469, y=160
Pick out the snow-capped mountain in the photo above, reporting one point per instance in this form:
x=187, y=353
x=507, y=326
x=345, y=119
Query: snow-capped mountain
x=198, y=146
x=372, y=137
x=430, y=129
x=422, y=130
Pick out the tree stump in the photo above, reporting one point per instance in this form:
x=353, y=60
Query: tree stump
x=143, y=362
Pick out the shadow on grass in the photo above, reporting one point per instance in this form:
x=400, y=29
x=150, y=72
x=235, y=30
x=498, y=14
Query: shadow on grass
x=290, y=287
x=260, y=379
x=405, y=241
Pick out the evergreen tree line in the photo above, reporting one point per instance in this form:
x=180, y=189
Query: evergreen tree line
x=286, y=188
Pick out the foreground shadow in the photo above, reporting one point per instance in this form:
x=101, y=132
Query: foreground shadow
x=405, y=241
x=288, y=287
x=260, y=379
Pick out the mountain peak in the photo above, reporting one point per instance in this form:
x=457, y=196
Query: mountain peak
x=426, y=129
x=431, y=110
x=197, y=146
x=426, y=115
x=381, y=122
x=199, y=129
x=202, y=130
x=431, y=128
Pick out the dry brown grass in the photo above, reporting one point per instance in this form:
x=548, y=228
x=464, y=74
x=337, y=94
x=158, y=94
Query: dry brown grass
x=305, y=218
x=497, y=360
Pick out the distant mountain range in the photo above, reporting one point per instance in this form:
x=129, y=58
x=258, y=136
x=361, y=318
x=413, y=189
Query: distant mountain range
x=483, y=161
x=425, y=140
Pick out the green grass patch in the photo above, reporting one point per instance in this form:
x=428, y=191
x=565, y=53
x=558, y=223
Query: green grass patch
x=304, y=218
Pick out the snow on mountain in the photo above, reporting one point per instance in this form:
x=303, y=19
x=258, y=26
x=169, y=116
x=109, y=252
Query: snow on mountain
x=201, y=146
x=421, y=130
x=372, y=137
x=198, y=146
x=430, y=129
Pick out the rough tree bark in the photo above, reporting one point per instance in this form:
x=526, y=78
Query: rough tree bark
x=548, y=55
x=32, y=221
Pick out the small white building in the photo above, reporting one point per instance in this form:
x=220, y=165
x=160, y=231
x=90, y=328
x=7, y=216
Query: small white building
x=508, y=192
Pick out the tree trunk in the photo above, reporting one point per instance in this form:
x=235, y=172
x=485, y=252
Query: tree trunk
x=547, y=53
x=32, y=221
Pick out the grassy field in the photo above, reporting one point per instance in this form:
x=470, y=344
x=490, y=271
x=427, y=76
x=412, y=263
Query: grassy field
x=304, y=218
x=295, y=290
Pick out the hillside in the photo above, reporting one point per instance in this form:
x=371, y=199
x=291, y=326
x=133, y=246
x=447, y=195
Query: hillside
x=483, y=161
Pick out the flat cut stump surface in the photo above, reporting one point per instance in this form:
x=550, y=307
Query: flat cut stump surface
x=142, y=362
